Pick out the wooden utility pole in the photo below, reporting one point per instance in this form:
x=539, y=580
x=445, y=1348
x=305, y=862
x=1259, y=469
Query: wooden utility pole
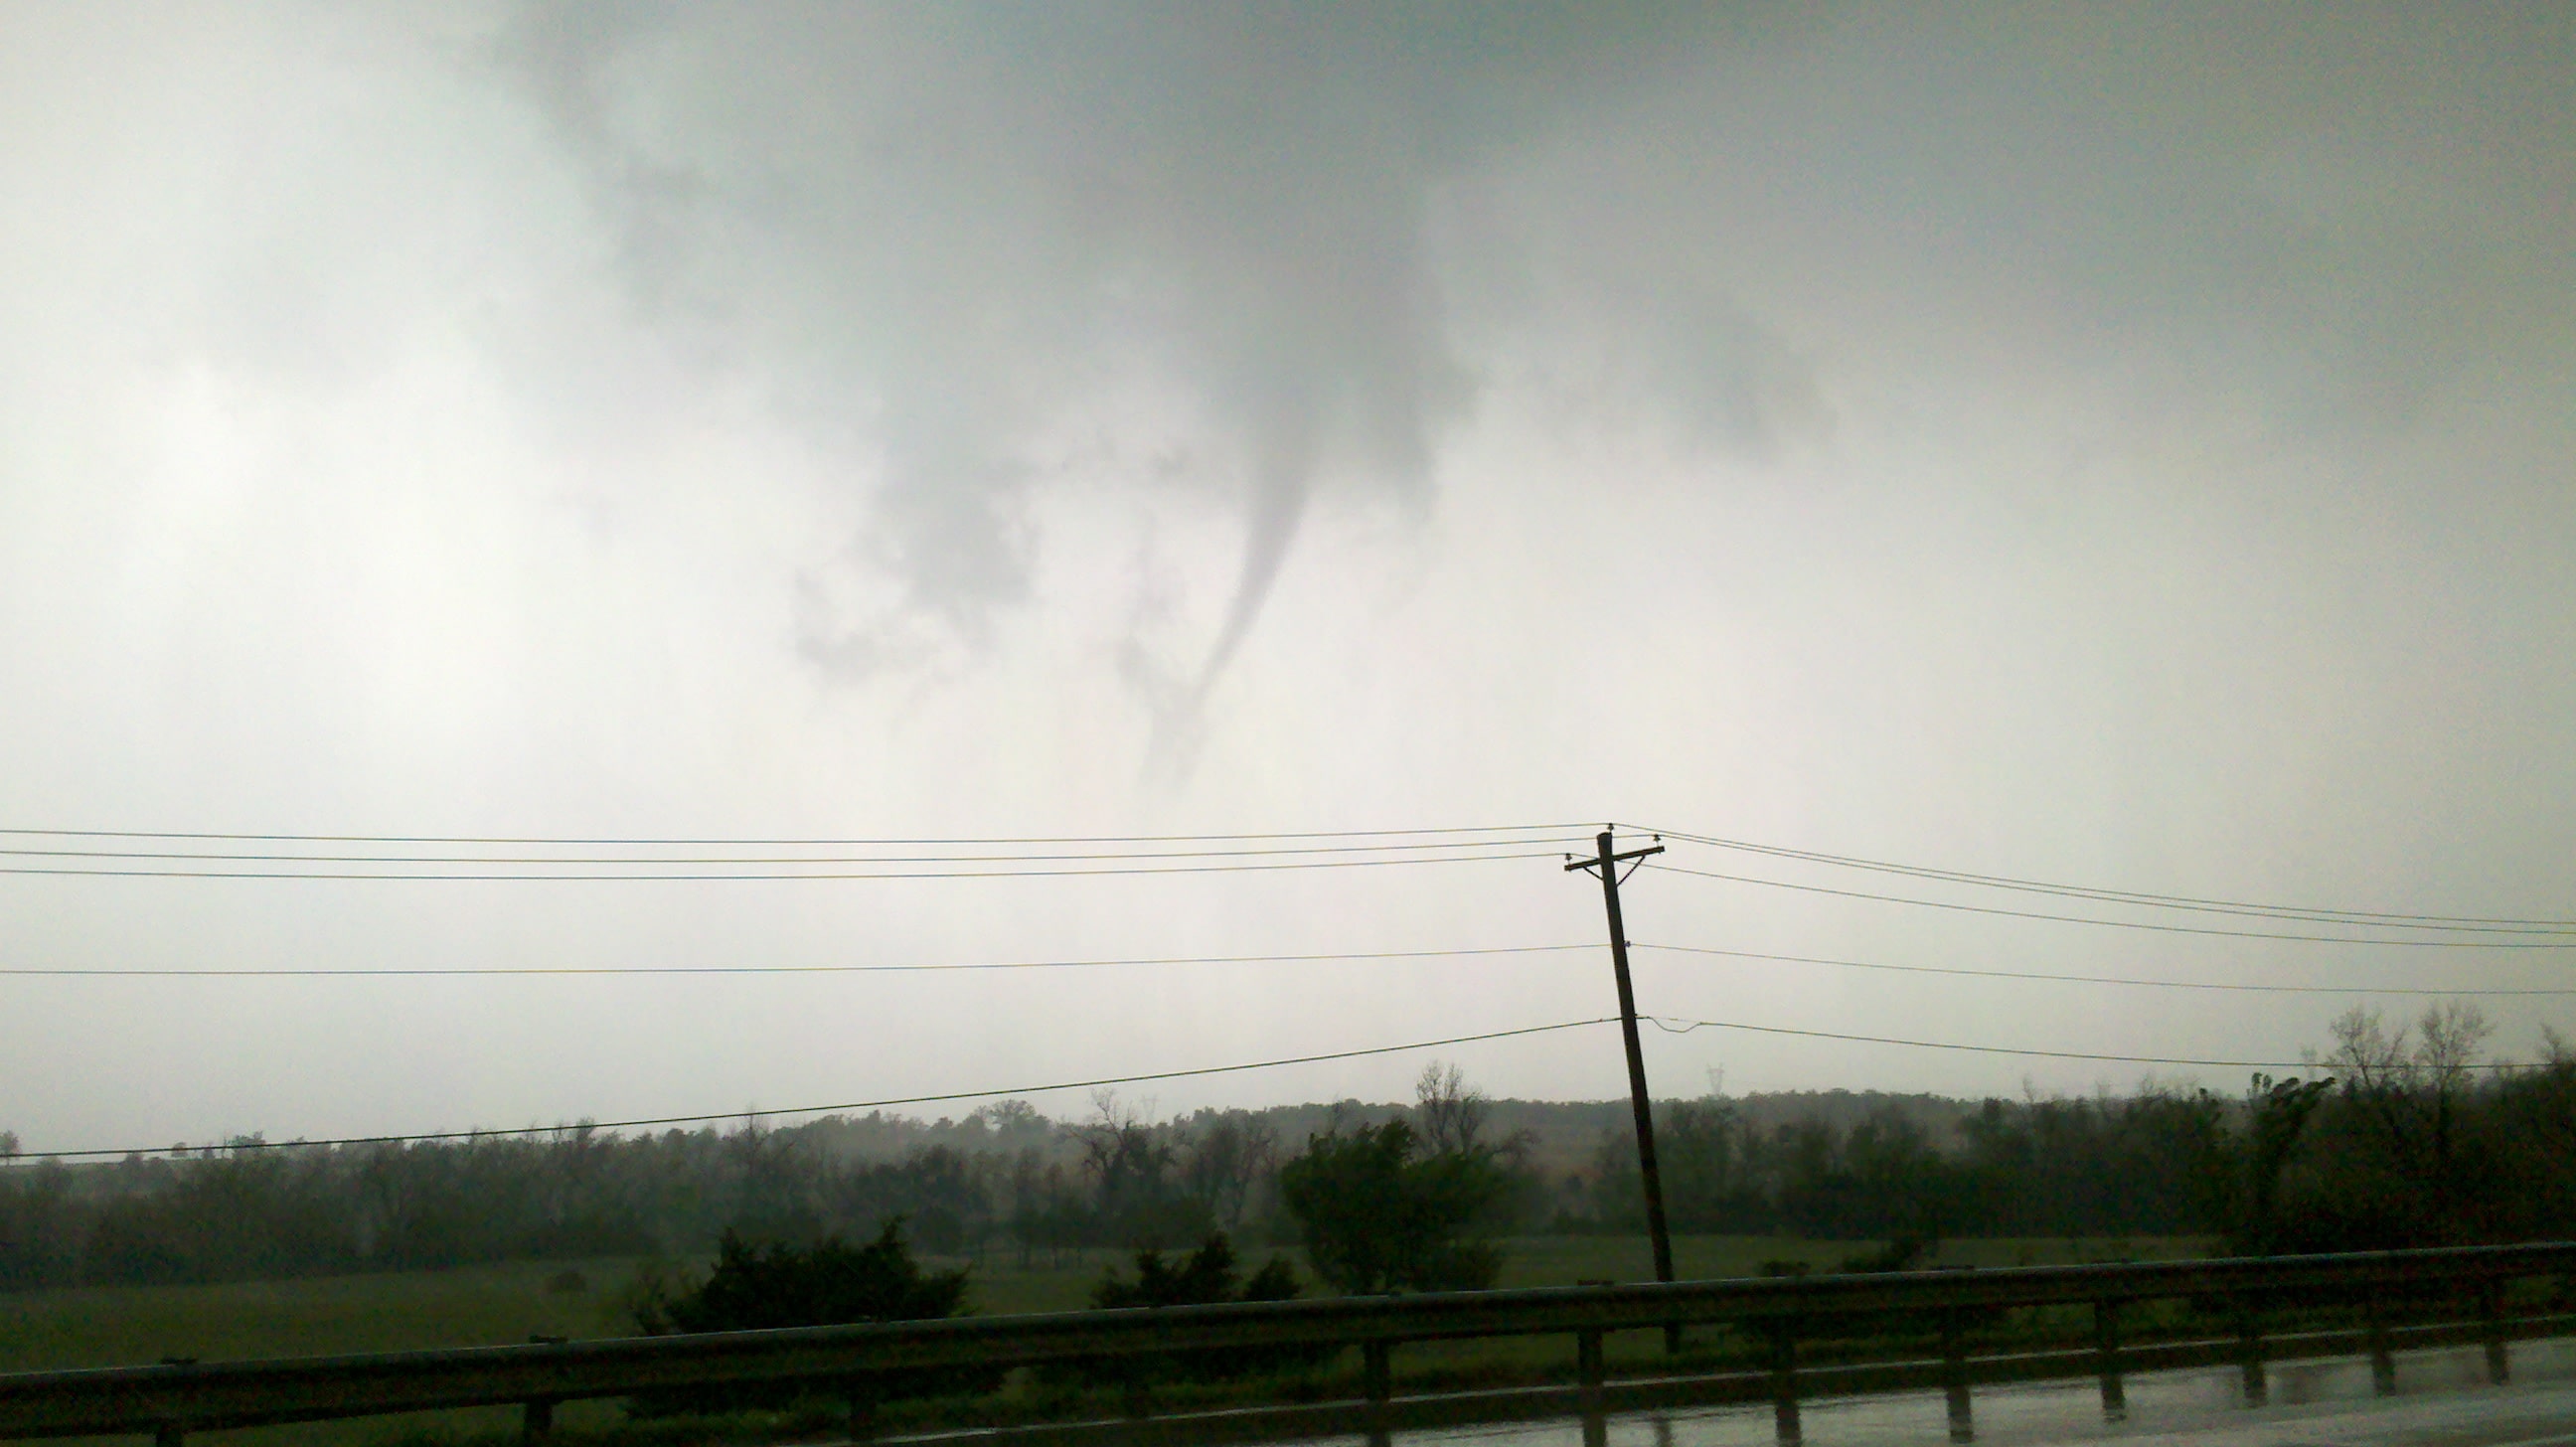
x=1606, y=864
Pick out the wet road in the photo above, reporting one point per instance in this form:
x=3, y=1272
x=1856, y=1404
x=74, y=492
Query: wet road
x=2442, y=1401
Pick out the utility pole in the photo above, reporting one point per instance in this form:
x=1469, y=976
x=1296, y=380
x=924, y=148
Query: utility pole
x=1606, y=864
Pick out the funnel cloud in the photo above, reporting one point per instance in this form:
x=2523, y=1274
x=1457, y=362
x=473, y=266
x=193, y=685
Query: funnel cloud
x=944, y=229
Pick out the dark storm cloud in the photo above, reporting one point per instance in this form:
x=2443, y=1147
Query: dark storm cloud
x=940, y=227
x=932, y=231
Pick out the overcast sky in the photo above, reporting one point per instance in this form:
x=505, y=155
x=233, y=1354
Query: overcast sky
x=2129, y=446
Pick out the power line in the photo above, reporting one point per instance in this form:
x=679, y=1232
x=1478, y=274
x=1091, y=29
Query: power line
x=660, y=860
x=524, y=876
x=2093, y=979
x=856, y=1105
x=2121, y=923
x=72, y=972
x=2316, y=914
x=1684, y=1027
x=806, y=843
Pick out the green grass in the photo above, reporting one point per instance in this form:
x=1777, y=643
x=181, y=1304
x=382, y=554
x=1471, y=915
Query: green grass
x=322, y=1316
x=469, y=1306
x=493, y=1305
x=1564, y=1260
x=490, y=1305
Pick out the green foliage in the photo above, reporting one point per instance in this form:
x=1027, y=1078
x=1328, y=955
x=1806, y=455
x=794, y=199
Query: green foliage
x=2157, y=1163
x=773, y=1284
x=829, y=1283
x=1903, y=1253
x=1379, y=1213
x=2276, y=1116
x=1206, y=1277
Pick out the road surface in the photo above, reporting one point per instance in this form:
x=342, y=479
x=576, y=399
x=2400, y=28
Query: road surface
x=2442, y=1401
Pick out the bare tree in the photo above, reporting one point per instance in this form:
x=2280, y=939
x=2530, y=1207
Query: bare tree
x=2411, y=1093
x=1121, y=1150
x=2452, y=1033
x=1449, y=1113
x=1229, y=1156
x=1131, y=1163
x=2374, y=1059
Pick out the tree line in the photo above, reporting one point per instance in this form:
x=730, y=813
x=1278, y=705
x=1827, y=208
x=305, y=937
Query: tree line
x=2394, y=1138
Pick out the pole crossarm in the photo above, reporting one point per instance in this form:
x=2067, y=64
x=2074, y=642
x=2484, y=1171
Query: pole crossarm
x=1588, y=865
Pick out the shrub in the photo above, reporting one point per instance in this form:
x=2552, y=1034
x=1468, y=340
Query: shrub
x=1379, y=1213
x=1206, y=1277
x=1902, y=1253
x=829, y=1283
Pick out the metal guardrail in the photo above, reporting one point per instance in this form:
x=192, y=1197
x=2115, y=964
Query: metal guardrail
x=171, y=1400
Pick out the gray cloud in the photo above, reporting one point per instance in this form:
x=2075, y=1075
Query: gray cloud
x=933, y=233
x=939, y=229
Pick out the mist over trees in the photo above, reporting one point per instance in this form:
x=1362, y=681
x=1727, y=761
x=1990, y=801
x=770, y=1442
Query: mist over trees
x=2394, y=1137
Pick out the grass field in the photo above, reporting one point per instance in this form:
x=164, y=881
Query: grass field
x=493, y=1305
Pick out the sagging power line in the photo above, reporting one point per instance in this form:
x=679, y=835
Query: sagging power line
x=2037, y=975
x=640, y=876
x=1683, y=1026
x=606, y=841
x=1394, y=851
x=1115, y=855
x=2314, y=914
x=2568, y=943
x=713, y=1117
x=441, y=971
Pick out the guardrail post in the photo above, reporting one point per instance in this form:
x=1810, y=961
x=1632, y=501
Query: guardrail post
x=170, y=1434
x=862, y=1398
x=2106, y=1341
x=1136, y=1394
x=2491, y=1311
x=2249, y=1353
x=537, y=1417
x=1954, y=1377
x=1784, y=1381
x=2383, y=1361
x=1378, y=1379
x=1588, y=1369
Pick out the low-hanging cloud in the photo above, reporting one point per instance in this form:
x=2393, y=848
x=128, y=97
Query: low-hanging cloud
x=934, y=233
x=942, y=227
